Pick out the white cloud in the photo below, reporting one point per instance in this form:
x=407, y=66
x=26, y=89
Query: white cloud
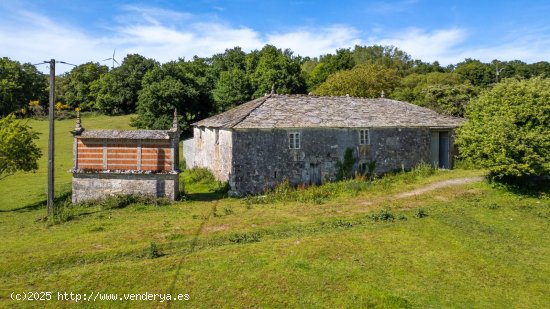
x=168, y=35
x=437, y=45
x=449, y=46
x=315, y=42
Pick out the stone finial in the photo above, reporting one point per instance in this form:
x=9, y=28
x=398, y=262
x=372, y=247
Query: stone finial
x=175, y=120
x=78, y=127
x=272, y=88
x=382, y=95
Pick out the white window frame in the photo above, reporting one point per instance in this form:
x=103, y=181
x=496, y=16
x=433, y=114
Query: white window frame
x=294, y=140
x=364, y=137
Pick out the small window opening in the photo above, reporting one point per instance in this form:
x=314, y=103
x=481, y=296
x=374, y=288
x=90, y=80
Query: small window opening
x=294, y=140
x=364, y=137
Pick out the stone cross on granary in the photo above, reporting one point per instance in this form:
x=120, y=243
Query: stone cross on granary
x=112, y=162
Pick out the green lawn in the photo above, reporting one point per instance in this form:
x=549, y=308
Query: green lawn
x=478, y=246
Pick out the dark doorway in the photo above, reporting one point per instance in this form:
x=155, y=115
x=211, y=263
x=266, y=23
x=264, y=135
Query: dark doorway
x=440, y=149
x=314, y=174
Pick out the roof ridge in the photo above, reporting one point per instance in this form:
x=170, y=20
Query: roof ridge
x=250, y=112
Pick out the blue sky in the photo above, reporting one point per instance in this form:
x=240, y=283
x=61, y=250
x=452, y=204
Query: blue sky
x=447, y=31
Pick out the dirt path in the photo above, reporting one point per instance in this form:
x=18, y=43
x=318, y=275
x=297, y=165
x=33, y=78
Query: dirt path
x=438, y=185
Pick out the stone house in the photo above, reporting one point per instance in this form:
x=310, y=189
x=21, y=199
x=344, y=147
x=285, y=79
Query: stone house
x=302, y=138
x=109, y=162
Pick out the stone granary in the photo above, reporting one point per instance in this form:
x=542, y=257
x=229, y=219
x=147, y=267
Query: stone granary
x=112, y=162
x=302, y=138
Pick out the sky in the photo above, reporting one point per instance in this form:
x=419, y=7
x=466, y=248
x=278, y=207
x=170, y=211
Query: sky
x=445, y=31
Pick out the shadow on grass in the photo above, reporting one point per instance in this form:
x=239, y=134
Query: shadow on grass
x=531, y=186
x=205, y=196
x=40, y=204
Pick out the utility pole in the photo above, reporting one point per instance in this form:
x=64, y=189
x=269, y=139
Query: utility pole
x=51, y=148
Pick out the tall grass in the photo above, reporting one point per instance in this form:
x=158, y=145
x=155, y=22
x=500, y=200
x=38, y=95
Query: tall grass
x=285, y=192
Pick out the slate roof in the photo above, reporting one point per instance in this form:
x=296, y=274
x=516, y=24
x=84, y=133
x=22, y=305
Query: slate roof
x=305, y=111
x=126, y=134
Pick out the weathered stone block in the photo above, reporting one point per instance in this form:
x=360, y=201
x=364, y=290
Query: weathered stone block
x=90, y=186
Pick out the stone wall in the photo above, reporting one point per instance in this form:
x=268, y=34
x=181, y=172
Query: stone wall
x=90, y=186
x=188, y=146
x=213, y=150
x=262, y=158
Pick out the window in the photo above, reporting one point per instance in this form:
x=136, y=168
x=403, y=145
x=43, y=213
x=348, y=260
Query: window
x=294, y=140
x=364, y=137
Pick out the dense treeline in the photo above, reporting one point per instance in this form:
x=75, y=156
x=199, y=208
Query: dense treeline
x=200, y=87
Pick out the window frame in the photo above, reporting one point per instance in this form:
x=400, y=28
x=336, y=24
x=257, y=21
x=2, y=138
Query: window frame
x=364, y=136
x=294, y=140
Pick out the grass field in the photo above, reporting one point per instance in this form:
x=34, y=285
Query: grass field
x=346, y=245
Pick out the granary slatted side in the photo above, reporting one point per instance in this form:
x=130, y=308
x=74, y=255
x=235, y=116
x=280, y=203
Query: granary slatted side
x=90, y=154
x=139, y=155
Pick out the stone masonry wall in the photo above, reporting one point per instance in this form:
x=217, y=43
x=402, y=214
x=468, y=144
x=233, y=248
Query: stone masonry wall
x=213, y=150
x=89, y=186
x=262, y=158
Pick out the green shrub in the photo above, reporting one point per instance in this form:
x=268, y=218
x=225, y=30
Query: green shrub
x=154, y=251
x=382, y=215
x=420, y=213
x=200, y=174
x=508, y=129
x=345, y=167
x=242, y=238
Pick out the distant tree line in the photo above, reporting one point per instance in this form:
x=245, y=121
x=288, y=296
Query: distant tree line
x=200, y=87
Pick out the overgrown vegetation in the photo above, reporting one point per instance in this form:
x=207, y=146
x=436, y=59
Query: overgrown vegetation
x=284, y=192
x=18, y=149
x=508, y=129
x=66, y=211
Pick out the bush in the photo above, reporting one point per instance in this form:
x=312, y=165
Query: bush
x=154, y=251
x=122, y=201
x=242, y=238
x=383, y=215
x=200, y=174
x=420, y=213
x=508, y=129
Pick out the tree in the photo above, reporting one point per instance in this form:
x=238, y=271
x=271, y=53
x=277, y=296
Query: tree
x=232, y=89
x=387, y=56
x=541, y=68
x=442, y=92
x=18, y=152
x=272, y=67
x=117, y=91
x=362, y=81
x=186, y=86
x=476, y=72
x=329, y=64
x=420, y=67
x=508, y=128
x=76, y=85
x=20, y=84
x=233, y=58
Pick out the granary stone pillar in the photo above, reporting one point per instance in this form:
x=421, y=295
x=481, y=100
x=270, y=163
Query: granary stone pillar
x=78, y=129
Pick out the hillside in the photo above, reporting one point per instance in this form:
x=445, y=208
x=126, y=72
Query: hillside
x=407, y=240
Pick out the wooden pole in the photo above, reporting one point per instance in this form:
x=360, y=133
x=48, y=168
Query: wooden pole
x=51, y=116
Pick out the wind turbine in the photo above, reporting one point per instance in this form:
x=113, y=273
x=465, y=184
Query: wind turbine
x=112, y=58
